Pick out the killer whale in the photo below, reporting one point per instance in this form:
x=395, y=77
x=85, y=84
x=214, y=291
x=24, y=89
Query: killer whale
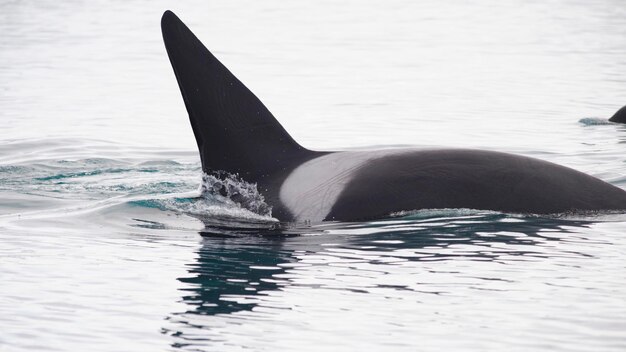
x=619, y=116
x=237, y=134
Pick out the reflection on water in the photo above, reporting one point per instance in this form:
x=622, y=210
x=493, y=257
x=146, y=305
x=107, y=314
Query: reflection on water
x=230, y=267
x=235, y=271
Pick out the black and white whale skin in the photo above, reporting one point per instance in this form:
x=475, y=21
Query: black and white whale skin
x=237, y=134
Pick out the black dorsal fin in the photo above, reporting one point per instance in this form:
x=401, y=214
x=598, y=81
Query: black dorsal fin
x=235, y=132
x=619, y=116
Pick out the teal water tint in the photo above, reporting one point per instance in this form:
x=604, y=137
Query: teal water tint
x=138, y=259
x=107, y=244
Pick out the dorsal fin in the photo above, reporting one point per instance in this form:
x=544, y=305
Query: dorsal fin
x=619, y=116
x=235, y=132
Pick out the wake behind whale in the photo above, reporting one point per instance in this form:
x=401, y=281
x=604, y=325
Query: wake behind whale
x=237, y=135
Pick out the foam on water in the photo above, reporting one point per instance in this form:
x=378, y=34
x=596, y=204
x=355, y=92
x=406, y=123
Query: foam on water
x=232, y=189
x=224, y=200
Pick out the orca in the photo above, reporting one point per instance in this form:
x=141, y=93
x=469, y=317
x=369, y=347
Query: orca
x=236, y=134
x=619, y=116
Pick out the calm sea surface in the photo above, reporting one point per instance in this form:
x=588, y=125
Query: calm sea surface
x=105, y=244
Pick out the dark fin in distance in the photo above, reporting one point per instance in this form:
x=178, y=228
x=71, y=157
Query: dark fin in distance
x=619, y=116
x=235, y=132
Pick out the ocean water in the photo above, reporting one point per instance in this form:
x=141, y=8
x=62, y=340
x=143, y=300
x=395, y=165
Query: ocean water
x=107, y=244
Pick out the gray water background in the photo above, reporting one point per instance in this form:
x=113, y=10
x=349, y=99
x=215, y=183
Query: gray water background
x=100, y=245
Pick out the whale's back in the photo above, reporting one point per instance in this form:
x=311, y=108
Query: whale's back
x=473, y=179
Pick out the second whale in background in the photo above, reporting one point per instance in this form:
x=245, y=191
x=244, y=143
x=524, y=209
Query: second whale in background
x=619, y=116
